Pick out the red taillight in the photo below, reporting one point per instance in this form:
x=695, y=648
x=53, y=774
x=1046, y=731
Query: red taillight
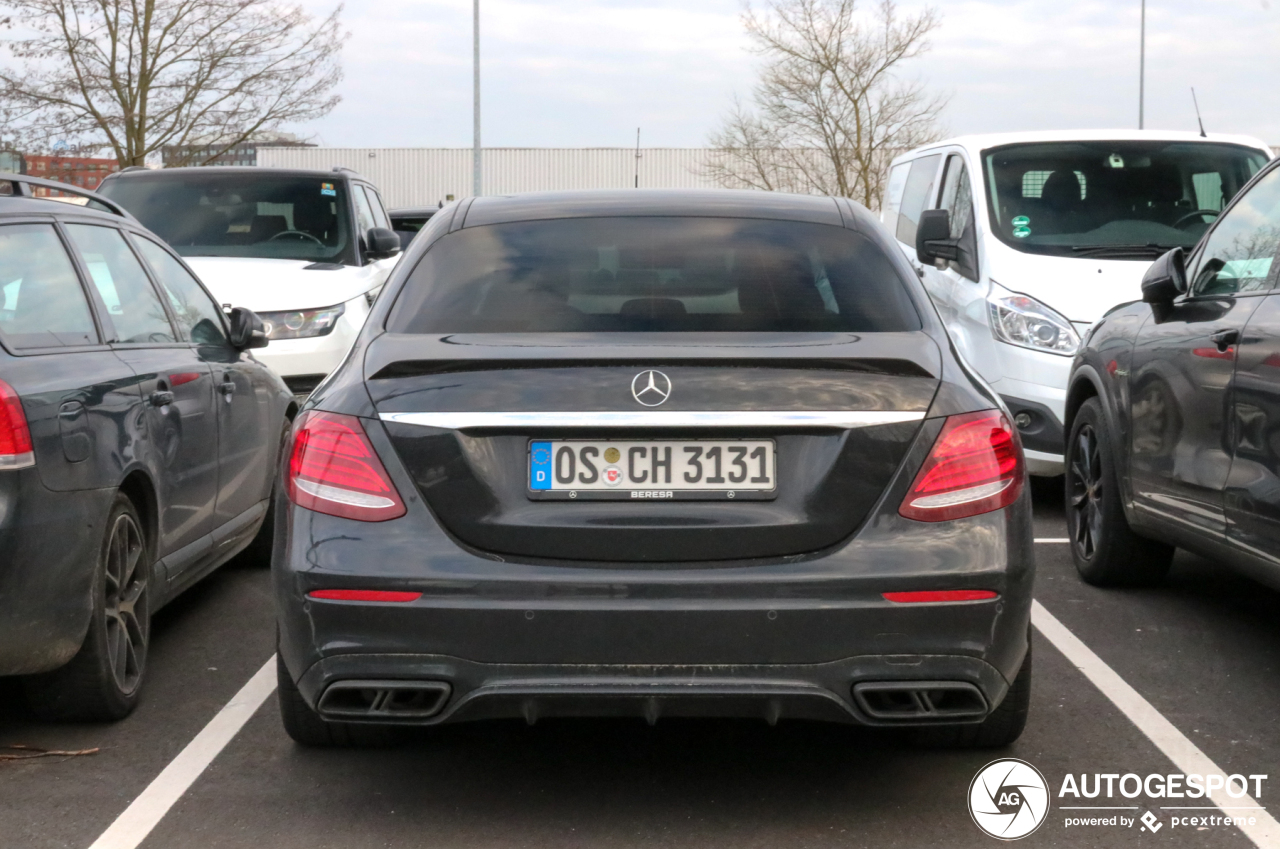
x=365, y=595
x=15, y=438
x=333, y=469
x=975, y=467
x=935, y=596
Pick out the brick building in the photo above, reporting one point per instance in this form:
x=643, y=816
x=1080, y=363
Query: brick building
x=80, y=171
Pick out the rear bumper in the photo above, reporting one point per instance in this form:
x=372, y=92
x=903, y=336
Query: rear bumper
x=781, y=637
x=48, y=553
x=473, y=691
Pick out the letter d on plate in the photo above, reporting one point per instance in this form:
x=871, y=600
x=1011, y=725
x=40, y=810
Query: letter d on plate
x=540, y=465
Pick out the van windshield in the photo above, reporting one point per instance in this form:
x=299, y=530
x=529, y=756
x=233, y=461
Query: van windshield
x=654, y=274
x=1132, y=199
x=241, y=215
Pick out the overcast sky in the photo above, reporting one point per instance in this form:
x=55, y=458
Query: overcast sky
x=587, y=73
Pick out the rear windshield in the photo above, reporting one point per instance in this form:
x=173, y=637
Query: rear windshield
x=241, y=215
x=653, y=274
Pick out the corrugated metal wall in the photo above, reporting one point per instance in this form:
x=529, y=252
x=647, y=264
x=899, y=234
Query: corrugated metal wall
x=419, y=176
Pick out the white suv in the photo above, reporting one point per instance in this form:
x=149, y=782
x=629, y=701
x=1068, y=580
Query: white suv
x=1043, y=233
x=308, y=251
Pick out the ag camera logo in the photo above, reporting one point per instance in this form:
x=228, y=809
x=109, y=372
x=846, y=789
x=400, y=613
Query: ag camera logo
x=1009, y=799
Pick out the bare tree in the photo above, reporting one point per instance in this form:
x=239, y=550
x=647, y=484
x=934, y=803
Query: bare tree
x=831, y=109
x=142, y=76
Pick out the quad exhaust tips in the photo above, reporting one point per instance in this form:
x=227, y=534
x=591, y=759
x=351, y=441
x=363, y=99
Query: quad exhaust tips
x=920, y=701
x=383, y=701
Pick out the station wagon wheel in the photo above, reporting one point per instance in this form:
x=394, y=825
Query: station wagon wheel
x=1106, y=550
x=1086, y=484
x=126, y=590
x=103, y=679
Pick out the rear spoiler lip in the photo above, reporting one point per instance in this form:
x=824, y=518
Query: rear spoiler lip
x=564, y=420
x=893, y=366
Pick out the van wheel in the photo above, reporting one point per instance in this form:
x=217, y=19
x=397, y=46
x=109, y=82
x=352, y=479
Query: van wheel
x=258, y=552
x=1001, y=728
x=103, y=680
x=307, y=727
x=1106, y=550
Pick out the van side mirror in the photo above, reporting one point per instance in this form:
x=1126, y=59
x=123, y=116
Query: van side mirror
x=381, y=243
x=933, y=237
x=247, y=330
x=1166, y=279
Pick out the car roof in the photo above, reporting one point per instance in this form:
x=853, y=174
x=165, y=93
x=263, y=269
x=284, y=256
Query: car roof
x=710, y=203
x=17, y=205
x=977, y=143
x=334, y=174
x=425, y=211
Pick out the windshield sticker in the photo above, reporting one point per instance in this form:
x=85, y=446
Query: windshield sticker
x=1021, y=232
x=1115, y=160
x=1021, y=221
x=327, y=189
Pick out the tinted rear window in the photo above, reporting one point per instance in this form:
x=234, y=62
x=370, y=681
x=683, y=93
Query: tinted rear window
x=654, y=274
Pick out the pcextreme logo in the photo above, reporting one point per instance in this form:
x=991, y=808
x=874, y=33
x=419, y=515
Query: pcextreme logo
x=1008, y=799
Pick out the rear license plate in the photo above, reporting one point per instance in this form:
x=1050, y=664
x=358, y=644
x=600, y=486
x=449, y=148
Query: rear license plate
x=616, y=470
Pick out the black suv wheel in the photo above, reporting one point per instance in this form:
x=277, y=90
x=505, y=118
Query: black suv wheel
x=1106, y=550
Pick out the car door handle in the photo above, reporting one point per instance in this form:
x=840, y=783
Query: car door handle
x=1224, y=339
x=161, y=399
x=228, y=387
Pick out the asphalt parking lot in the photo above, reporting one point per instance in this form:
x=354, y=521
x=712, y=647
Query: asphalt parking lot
x=1203, y=650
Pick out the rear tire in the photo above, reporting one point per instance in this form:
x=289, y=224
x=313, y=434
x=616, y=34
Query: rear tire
x=308, y=728
x=1001, y=728
x=1106, y=550
x=103, y=681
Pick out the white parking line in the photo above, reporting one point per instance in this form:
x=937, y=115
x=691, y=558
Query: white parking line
x=137, y=821
x=1052, y=539
x=1175, y=745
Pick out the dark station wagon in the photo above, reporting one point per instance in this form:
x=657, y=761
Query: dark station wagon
x=138, y=441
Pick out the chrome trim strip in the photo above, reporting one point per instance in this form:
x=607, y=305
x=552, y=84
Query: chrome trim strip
x=841, y=419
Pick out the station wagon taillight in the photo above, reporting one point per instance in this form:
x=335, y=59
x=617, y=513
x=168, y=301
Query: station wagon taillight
x=333, y=469
x=15, y=437
x=975, y=467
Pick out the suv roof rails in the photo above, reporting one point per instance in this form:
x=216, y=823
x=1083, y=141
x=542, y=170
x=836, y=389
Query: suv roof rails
x=338, y=168
x=22, y=185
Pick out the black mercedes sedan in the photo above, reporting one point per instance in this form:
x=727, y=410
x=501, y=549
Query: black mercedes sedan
x=138, y=441
x=654, y=454
x=1173, y=408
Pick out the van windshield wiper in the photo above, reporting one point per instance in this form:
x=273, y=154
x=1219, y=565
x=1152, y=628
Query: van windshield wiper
x=1150, y=249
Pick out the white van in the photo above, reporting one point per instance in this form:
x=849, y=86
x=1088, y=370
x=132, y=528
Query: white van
x=1043, y=233
x=308, y=251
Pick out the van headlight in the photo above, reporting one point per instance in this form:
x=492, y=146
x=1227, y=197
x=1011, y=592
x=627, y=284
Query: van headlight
x=301, y=324
x=1027, y=323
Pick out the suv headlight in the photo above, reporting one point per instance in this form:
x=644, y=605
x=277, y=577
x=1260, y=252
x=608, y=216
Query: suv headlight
x=1027, y=323
x=300, y=324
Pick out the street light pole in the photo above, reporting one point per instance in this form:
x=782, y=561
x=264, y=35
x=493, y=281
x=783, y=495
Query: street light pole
x=477, y=178
x=1142, y=65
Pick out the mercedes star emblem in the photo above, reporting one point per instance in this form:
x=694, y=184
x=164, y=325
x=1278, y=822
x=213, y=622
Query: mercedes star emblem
x=651, y=388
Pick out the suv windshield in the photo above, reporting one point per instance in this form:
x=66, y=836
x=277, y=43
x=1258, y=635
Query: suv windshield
x=273, y=216
x=1123, y=199
x=653, y=274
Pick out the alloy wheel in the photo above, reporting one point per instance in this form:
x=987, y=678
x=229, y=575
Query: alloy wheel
x=126, y=604
x=1086, y=494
